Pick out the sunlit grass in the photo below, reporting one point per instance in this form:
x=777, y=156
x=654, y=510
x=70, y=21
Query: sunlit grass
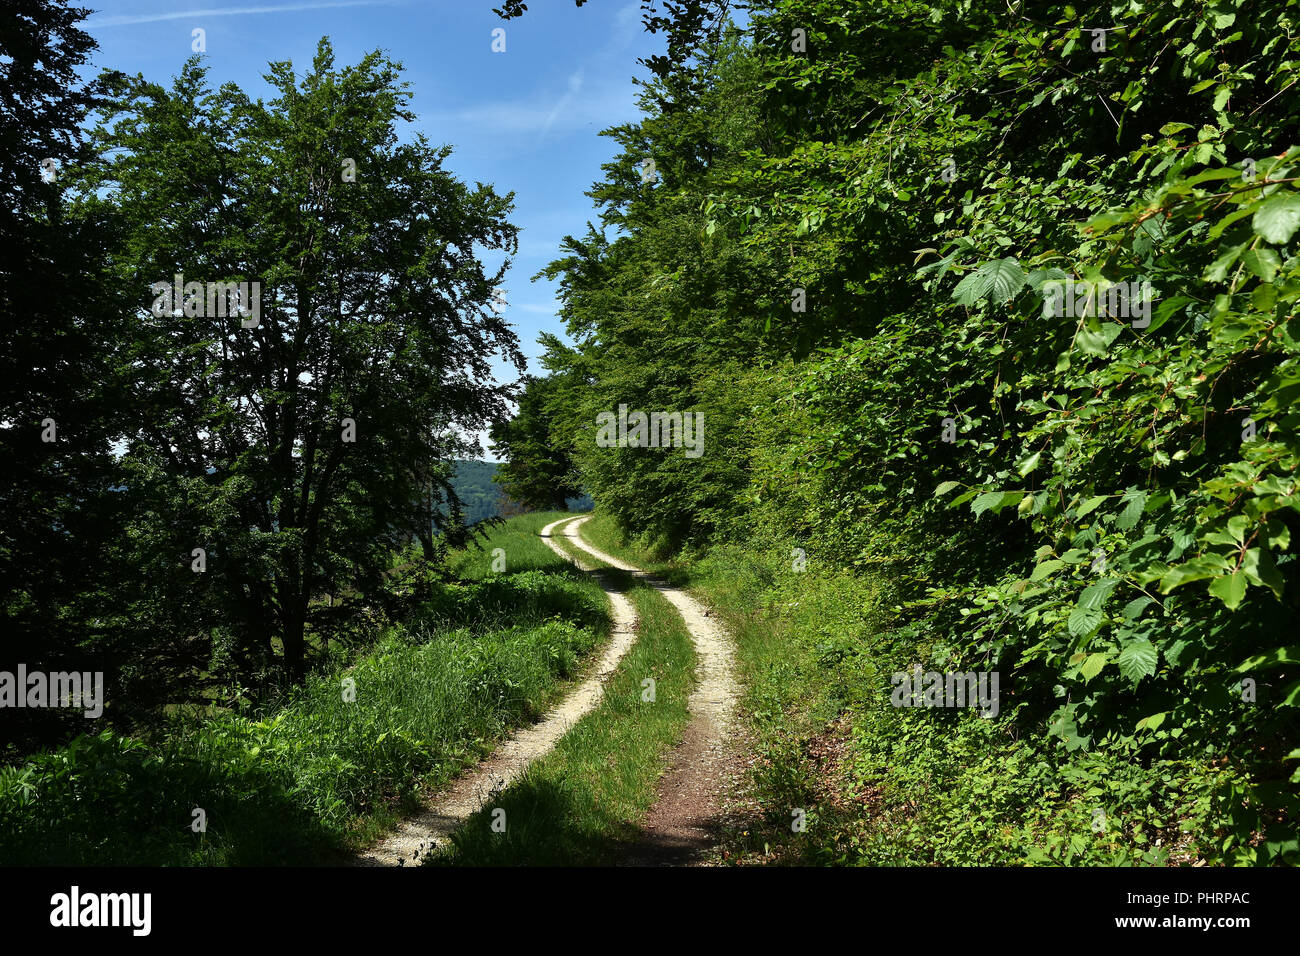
x=581, y=803
x=344, y=757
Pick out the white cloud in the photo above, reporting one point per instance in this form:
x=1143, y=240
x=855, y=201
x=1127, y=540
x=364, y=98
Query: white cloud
x=627, y=24
x=515, y=117
x=575, y=86
x=541, y=114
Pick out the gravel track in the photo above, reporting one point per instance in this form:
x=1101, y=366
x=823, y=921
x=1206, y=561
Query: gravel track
x=685, y=821
x=476, y=789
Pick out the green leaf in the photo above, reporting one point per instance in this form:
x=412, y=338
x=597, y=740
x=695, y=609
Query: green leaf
x=1095, y=596
x=1217, y=270
x=1028, y=465
x=1089, y=506
x=1290, y=695
x=998, y=280
x=986, y=501
x=1197, y=569
x=1083, y=621
x=1264, y=298
x=967, y=290
x=945, y=487
x=1135, y=503
x=1278, y=218
x=1093, y=665
x=1273, y=658
x=1098, y=342
x=1262, y=262
x=1206, y=176
x=1133, y=609
x=1043, y=570
x=1220, y=227
x=1230, y=588
x=1152, y=721
x=1138, y=660
x=1260, y=568
x=1038, y=276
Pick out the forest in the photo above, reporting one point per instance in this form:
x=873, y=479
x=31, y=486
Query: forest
x=989, y=307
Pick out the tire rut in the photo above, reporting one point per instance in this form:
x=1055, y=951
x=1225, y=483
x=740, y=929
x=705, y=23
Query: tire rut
x=685, y=820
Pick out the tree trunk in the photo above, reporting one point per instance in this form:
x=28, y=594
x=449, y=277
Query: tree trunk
x=294, y=660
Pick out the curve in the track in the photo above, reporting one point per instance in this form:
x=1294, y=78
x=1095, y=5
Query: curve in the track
x=475, y=790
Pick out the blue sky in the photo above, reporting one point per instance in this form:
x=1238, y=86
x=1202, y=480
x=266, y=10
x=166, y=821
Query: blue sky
x=524, y=120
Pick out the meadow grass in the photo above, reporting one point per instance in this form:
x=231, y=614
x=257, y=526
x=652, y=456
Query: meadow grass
x=814, y=650
x=581, y=803
x=320, y=776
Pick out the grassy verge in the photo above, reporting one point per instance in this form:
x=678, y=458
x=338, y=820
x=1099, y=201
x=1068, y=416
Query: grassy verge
x=345, y=756
x=891, y=786
x=521, y=549
x=580, y=804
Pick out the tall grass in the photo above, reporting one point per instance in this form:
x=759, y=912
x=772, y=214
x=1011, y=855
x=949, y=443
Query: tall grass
x=912, y=787
x=524, y=549
x=581, y=803
x=322, y=774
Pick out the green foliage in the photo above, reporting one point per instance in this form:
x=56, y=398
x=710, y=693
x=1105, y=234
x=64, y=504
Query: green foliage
x=242, y=444
x=304, y=782
x=917, y=787
x=538, y=472
x=1111, y=528
x=298, y=452
x=59, y=395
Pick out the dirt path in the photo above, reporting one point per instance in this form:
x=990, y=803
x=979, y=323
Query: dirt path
x=686, y=819
x=471, y=791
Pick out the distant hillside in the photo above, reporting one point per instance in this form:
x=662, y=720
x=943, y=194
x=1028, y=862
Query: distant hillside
x=474, y=486
x=585, y=503
x=483, y=497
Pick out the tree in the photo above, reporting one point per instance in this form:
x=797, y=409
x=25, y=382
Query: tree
x=538, y=470
x=58, y=398
x=296, y=432
x=863, y=211
x=685, y=23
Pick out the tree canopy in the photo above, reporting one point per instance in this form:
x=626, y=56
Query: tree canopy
x=1000, y=297
x=270, y=331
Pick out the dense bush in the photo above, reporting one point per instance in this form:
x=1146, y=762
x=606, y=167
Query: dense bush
x=291, y=785
x=865, y=215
